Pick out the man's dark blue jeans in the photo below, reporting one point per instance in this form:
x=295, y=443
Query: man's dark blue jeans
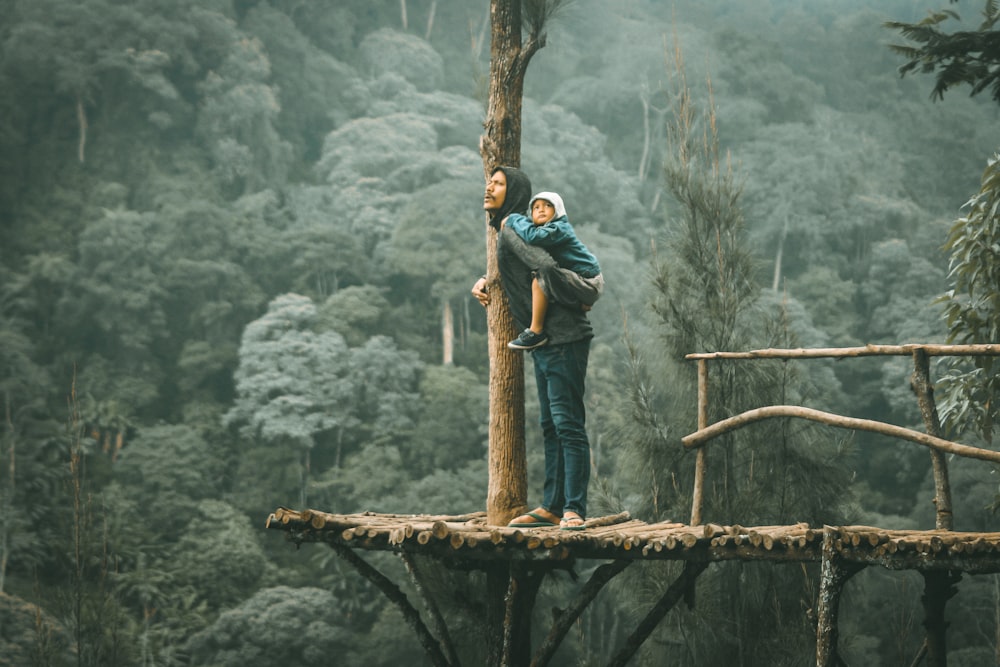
x=560, y=373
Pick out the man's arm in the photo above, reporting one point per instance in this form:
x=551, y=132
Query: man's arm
x=531, y=256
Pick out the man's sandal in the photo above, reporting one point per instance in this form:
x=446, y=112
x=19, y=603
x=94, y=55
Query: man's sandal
x=572, y=521
x=533, y=519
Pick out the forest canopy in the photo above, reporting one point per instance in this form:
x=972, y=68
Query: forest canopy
x=238, y=239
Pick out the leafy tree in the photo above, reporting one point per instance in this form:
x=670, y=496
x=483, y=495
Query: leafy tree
x=172, y=468
x=449, y=430
x=123, y=296
x=218, y=556
x=802, y=186
x=964, y=57
x=972, y=310
x=367, y=480
x=317, y=92
x=623, y=97
x=23, y=435
x=375, y=148
x=31, y=636
x=237, y=119
x=755, y=68
x=355, y=313
x=905, y=312
x=706, y=299
x=292, y=383
x=385, y=392
x=431, y=245
x=387, y=50
x=560, y=149
x=280, y=625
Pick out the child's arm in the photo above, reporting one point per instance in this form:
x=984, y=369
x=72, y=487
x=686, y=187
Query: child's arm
x=544, y=236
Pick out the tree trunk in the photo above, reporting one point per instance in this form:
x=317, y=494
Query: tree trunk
x=81, y=119
x=508, y=636
x=447, y=334
x=776, y=283
x=501, y=145
x=7, y=507
x=430, y=20
x=304, y=478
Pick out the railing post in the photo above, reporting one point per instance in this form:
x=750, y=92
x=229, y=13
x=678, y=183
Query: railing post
x=920, y=381
x=699, y=466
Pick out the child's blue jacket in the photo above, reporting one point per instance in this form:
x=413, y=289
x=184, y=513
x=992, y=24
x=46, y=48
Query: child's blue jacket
x=560, y=240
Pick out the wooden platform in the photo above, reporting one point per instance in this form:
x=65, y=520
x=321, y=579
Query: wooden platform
x=619, y=537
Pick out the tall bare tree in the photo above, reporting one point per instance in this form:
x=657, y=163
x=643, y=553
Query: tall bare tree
x=500, y=144
x=511, y=591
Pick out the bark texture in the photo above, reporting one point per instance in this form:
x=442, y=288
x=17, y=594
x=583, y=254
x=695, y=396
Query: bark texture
x=500, y=144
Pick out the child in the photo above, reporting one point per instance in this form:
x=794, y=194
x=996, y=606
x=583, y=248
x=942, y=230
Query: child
x=577, y=280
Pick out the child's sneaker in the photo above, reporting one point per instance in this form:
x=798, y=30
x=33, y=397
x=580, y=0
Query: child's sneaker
x=528, y=340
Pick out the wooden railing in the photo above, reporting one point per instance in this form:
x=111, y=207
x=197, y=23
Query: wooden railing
x=919, y=381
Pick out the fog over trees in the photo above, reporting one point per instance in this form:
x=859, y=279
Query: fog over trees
x=237, y=239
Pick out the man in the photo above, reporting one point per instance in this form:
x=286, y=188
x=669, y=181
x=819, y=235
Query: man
x=560, y=366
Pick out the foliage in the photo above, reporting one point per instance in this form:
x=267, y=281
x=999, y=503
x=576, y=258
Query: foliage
x=292, y=381
x=388, y=50
x=972, y=309
x=239, y=226
x=967, y=57
x=30, y=636
x=706, y=299
x=280, y=625
x=218, y=556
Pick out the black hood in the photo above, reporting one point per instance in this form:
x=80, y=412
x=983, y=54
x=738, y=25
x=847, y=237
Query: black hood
x=517, y=197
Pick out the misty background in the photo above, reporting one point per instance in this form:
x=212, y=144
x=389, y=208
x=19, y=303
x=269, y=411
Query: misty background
x=238, y=239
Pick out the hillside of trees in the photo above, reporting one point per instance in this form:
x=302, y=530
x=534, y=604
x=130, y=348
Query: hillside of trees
x=237, y=239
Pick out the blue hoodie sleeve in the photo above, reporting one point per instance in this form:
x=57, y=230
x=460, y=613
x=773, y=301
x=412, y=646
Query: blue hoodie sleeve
x=545, y=236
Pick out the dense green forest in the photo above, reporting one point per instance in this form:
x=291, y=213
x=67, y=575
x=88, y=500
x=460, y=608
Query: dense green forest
x=238, y=238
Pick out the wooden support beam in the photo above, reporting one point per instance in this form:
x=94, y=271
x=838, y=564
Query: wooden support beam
x=434, y=616
x=939, y=587
x=699, y=466
x=397, y=597
x=519, y=602
x=834, y=573
x=920, y=381
x=567, y=617
x=670, y=598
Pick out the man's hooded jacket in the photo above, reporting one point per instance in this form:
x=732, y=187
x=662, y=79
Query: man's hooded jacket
x=518, y=261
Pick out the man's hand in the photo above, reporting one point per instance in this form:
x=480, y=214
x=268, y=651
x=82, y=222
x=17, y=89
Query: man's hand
x=479, y=291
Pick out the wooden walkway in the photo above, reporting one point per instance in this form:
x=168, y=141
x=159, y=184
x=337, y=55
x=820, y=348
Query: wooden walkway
x=618, y=537
x=522, y=555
